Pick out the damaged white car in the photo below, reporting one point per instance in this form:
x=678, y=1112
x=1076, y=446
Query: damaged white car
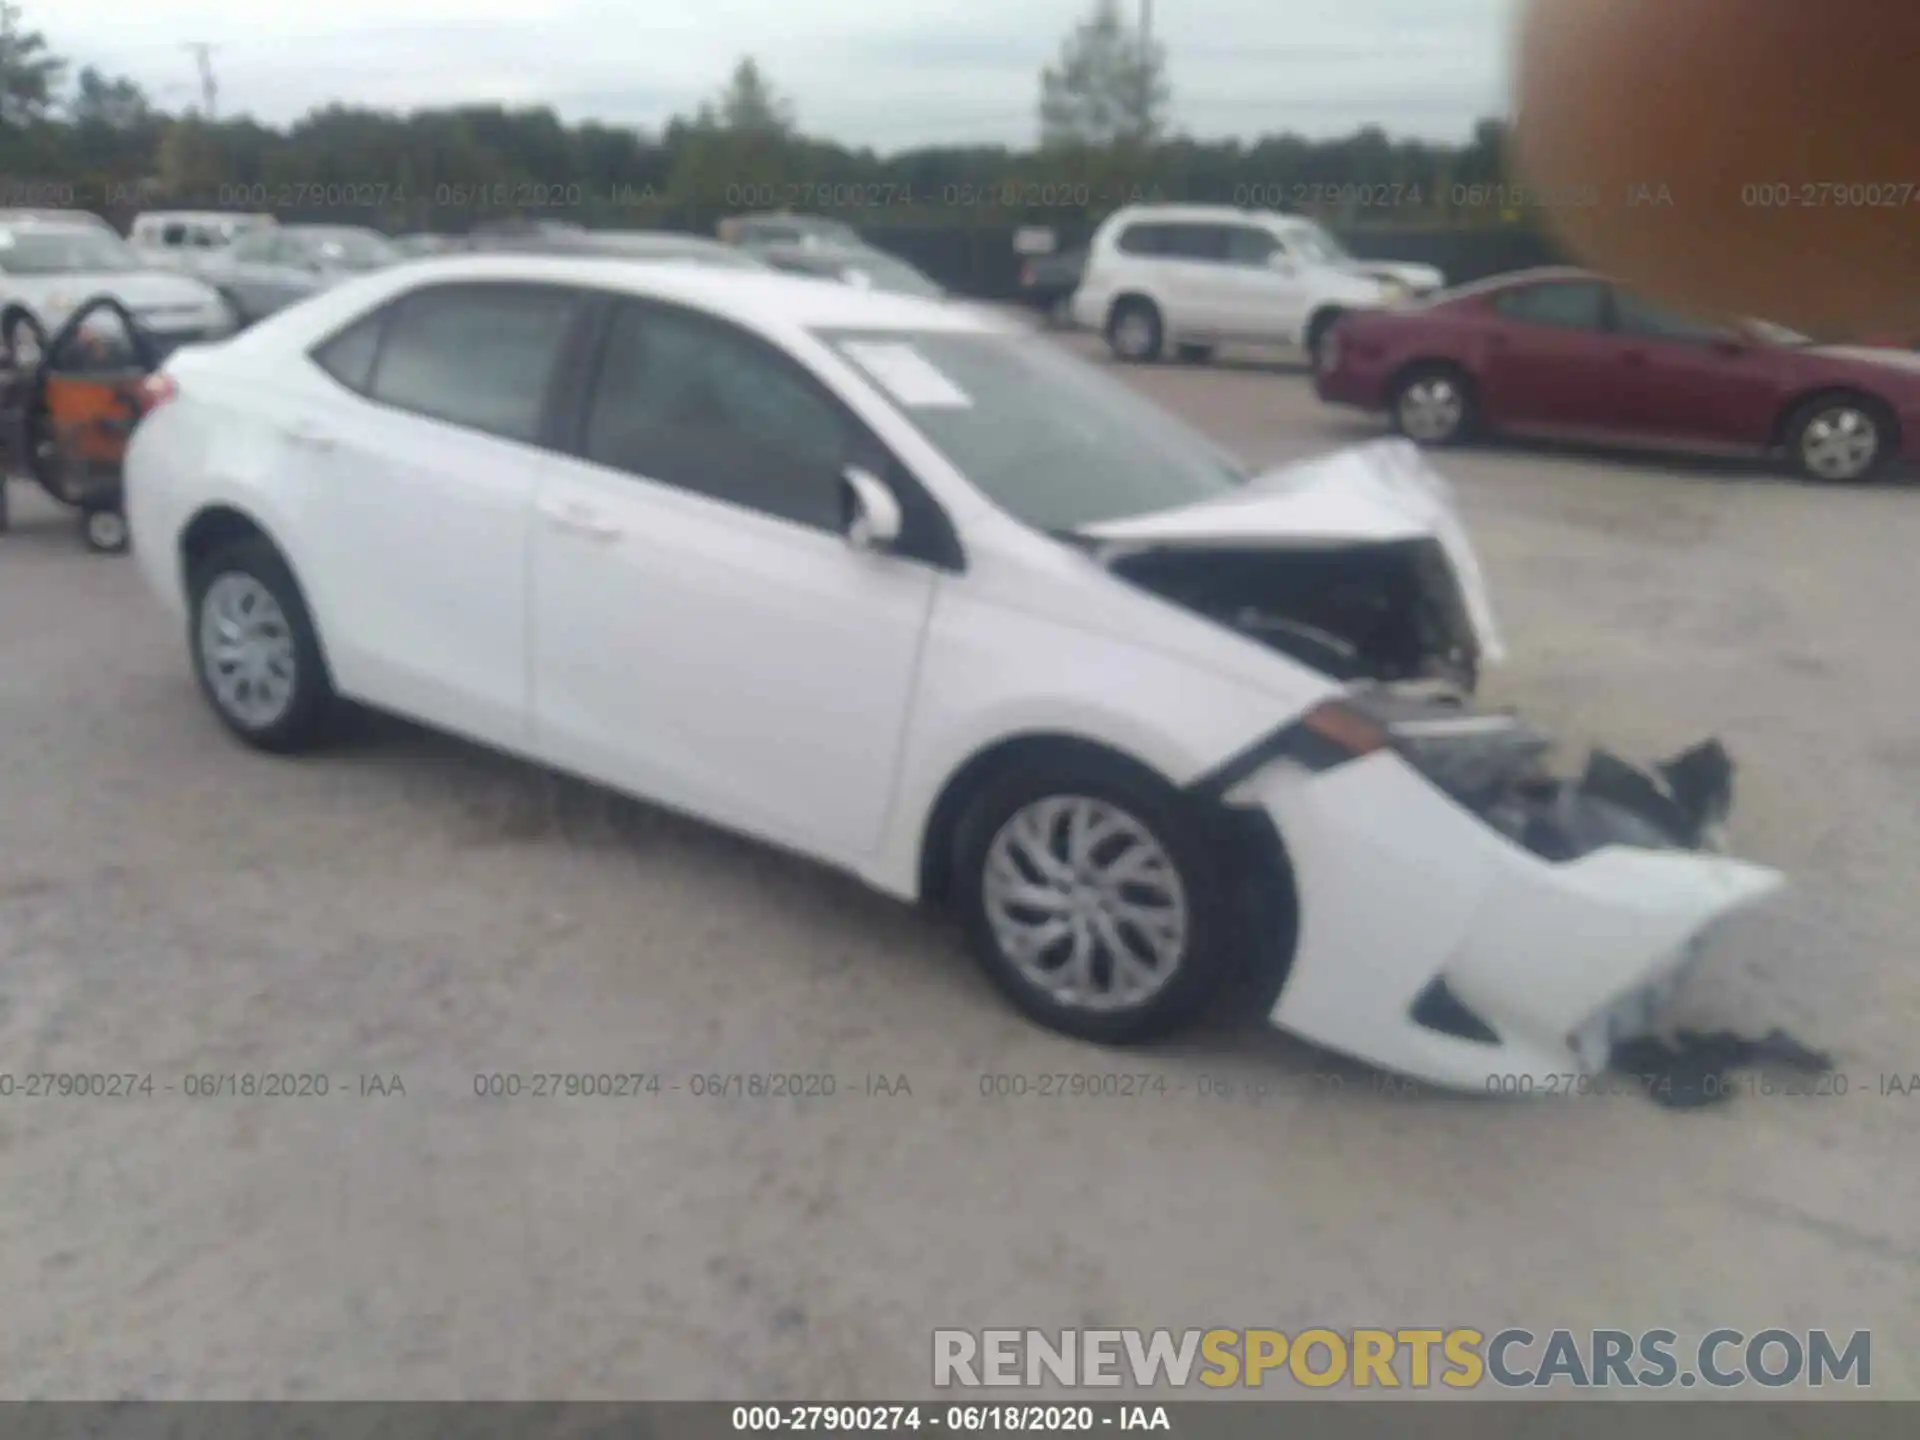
x=889, y=584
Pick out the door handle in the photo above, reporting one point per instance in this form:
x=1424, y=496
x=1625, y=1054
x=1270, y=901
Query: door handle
x=308, y=436
x=578, y=519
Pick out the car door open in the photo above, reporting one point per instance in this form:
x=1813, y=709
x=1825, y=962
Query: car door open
x=717, y=619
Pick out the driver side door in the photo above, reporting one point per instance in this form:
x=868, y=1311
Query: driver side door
x=703, y=632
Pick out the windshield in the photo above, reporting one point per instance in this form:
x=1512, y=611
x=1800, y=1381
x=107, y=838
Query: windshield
x=349, y=249
x=1043, y=435
x=1777, y=334
x=59, y=252
x=885, y=273
x=1313, y=243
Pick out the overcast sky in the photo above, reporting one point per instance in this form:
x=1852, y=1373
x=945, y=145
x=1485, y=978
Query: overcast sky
x=864, y=72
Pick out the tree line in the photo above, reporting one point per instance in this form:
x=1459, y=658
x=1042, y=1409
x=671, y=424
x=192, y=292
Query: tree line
x=97, y=142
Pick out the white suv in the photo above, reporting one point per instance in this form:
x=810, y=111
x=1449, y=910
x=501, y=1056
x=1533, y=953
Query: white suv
x=1189, y=277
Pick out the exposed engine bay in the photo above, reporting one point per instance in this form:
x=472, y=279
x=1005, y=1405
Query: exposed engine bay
x=1380, y=612
x=1495, y=764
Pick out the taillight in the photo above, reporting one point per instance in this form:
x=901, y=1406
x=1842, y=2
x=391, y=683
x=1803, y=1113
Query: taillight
x=155, y=391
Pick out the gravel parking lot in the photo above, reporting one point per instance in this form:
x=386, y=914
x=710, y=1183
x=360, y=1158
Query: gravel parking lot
x=406, y=906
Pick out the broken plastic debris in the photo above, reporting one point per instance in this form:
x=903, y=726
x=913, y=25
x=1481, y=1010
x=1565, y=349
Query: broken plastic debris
x=1692, y=1071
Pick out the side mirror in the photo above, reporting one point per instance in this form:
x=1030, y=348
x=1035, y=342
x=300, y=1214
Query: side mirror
x=872, y=511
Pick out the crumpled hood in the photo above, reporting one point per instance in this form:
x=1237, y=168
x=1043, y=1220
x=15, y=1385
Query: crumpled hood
x=1380, y=493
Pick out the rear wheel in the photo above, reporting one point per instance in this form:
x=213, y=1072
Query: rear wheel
x=1317, y=330
x=1840, y=439
x=106, y=531
x=1134, y=331
x=1433, y=405
x=1092, y=899
x=255, y=650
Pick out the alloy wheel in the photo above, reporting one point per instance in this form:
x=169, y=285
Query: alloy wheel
x=1085, y=903
x=246, y=650
x=1431, y=409
x=1840, y=443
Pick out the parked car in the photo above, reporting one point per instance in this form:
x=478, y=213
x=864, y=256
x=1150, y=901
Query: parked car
x=56, y=217
x=182, y=239
x=625, y=244
x=858, y=265
x=413, y=247
x=47, y=271
x=269, y=269
x=1192, y=277
x=756, y=232
x=1035, y=646
x=1047, y=282
x=1568, y=353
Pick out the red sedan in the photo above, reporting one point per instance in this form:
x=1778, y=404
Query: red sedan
x=1569, y=354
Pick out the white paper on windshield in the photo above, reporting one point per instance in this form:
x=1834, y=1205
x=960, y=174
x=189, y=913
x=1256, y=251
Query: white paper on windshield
x=908, y=376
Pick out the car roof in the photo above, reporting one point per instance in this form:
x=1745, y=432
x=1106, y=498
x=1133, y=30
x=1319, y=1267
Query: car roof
x=48, y=227
x=754, y=299
x=1202, y=215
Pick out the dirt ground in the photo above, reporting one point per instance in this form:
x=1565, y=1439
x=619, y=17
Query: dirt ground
x=406, y=906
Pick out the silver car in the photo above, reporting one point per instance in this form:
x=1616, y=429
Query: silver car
x=271, y=269
x=48, y=271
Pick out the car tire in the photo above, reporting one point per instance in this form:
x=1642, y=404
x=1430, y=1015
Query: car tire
x=25, y=339
x=105, y=531
x=1317, y=329
x=1195, y=354
x=1134, y=331
x=255, y=650
x=1840, y=439
x=1433, y=405
x=1014, y=881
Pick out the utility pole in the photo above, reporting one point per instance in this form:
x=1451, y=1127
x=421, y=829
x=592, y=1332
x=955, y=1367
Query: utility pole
x=209, y=87
x=1146, y=23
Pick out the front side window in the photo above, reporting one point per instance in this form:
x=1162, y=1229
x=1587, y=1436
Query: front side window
x=692, y=402
x=1635, y=316
x=1249, y=246
x=1562, y=304
x=1143, y=240
x=1198, y=242
x=475, y=355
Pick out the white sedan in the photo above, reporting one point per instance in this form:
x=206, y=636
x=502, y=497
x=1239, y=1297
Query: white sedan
x=911, y=591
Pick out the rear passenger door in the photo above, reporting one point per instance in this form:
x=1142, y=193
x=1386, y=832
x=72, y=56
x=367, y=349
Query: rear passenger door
x=414, y=463
x=703, y=633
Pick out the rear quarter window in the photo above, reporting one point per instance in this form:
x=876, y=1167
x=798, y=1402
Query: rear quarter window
x=349, y=355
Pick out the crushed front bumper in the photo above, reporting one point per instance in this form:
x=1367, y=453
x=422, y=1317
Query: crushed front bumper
x=1431, y=944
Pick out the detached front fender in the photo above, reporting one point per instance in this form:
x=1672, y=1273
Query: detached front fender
x=1433, y=946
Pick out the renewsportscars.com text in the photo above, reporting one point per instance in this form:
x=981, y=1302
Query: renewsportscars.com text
x=1401, y=1358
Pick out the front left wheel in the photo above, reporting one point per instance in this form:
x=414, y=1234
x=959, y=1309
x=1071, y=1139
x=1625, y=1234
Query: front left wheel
x=1092, y=898
x=1840, y=439
x=255, y=650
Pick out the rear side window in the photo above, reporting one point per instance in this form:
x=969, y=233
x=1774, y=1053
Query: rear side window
x=348, y=357
x=475, y=355
x=1563, y=304
x=1143, y=240
x=175, y=234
